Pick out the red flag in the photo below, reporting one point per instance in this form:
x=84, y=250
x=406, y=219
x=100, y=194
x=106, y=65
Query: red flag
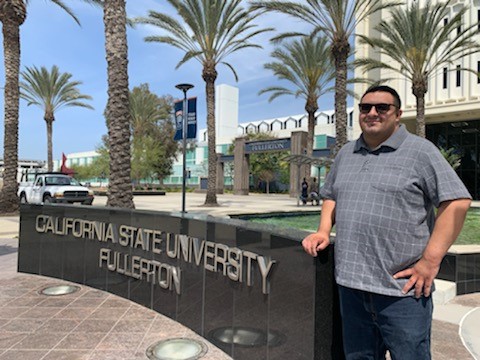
x=64, y=169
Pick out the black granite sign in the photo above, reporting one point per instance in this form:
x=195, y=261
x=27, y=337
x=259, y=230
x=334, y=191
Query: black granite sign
x=250, y=289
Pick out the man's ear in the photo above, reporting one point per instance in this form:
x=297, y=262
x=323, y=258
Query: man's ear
x=399, y=114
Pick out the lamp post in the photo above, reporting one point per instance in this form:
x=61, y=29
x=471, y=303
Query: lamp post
x=184, y=88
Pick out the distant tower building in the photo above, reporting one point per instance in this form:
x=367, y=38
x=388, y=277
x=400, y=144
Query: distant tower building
x=226, y=113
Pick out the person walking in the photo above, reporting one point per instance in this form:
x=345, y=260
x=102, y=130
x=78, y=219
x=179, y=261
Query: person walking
x=381, y=193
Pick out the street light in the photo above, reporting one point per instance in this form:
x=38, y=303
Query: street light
x=184, y=88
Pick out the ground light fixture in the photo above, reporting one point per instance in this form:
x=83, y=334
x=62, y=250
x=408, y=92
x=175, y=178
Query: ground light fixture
x=57, y=290
x=177, y=349
x=245, y=336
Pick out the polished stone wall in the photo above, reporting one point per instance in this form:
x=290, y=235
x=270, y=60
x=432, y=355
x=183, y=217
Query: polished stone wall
x=295, y=316
x=463, y=269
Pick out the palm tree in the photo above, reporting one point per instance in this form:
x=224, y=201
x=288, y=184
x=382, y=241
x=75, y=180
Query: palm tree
x=212, y=30
x=51, y=90
x=306, y=64
x=12, y=16
x=420, y=42
x=120, y=192
x=337, y=19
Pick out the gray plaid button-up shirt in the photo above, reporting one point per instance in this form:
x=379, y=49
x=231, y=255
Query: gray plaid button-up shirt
x=384, y=212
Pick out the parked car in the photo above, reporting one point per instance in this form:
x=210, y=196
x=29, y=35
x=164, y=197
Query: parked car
x=54, y=188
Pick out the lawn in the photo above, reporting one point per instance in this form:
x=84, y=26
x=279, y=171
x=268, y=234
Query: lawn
x=470, y=233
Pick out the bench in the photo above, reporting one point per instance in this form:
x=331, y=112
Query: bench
x=312, y=198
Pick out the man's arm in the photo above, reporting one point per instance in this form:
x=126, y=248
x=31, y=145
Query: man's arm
x=318, y=241
x=448, y=224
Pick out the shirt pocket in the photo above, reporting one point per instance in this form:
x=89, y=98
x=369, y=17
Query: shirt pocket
x=391, y=178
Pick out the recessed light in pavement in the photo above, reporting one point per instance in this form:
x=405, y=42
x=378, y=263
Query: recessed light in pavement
x=57, y=290
x=177, y=349
x=245, y=336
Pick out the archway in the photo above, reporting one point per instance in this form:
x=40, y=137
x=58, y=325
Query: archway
x=297, y=144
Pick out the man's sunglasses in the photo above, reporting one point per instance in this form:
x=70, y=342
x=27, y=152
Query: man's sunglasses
x=380, y=108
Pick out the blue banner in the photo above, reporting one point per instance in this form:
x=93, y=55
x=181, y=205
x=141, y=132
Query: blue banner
x=191, y=119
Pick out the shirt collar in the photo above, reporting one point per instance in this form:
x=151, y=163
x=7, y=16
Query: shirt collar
x=392, y=142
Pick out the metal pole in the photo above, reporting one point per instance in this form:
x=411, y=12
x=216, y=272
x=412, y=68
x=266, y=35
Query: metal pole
x=184, y=88
x=184, y=150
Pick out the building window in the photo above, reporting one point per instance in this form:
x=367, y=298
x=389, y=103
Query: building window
x=350, y=119
x=459, y=79
x=445, y=21
x=458, y=76
x=478, y=71
x=445, y=77
x=478, y=19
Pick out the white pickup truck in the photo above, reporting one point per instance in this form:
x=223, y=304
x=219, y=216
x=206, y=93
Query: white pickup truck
x=54, y=188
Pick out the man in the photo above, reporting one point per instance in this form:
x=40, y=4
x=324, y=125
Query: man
x=381, y=193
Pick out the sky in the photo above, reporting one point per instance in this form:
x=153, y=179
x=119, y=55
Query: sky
x=50, y=37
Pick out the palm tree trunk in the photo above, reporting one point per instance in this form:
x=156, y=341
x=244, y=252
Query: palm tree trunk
x=120, y=192
x=340, y=52
x=419, y=90
x=12, y=16
x=210, y=75
x=49, y=144
x=421, y=116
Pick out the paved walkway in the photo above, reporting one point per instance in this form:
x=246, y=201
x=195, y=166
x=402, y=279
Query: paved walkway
x=92, y=324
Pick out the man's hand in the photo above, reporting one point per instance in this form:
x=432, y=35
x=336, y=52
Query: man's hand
x=421, y=276
x=316, y=242
x=448, y=224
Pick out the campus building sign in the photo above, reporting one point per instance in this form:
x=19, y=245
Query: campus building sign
x=232, y=262
x=267, y=145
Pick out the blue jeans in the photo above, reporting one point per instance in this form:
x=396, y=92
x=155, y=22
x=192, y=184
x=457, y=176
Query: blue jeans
x=373, y=324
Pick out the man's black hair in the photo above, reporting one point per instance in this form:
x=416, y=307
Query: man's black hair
x=385, y=88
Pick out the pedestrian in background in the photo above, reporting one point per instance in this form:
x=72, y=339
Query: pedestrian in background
x=304, y=195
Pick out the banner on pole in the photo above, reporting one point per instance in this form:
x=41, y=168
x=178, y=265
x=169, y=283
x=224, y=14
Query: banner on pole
x=191, y=119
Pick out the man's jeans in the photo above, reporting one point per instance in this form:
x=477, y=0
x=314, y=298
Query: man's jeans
x=374, y=323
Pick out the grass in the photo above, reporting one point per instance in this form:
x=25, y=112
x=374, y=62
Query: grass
x=470, y=234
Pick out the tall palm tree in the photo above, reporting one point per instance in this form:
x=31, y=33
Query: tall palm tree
x=120, y=192
x=337, y=19
x=51, y=91
x=12, y=16
x=211, y=30
x=307, y=65
x=419, y=42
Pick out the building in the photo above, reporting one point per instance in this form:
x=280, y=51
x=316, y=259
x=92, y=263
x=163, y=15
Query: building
x=24, y=165
x=227, y=129
x=452, y=111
